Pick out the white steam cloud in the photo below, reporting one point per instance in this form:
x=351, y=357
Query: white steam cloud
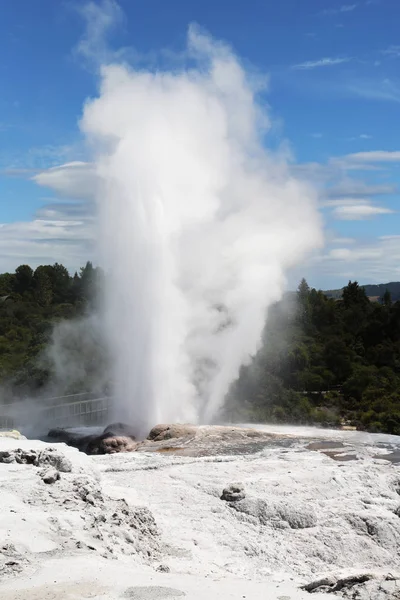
x=198, y=225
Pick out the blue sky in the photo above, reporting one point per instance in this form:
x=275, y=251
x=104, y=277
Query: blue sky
x=334, y=94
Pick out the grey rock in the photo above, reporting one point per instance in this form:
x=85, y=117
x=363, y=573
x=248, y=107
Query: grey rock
x=50, y=475
x=19, y=456
x=163, y=569
x=7, y=457
x=53, y=458
x=233, y=492
x=170, y=431
x=107, y=443
x=297, y=516
x=49, y=457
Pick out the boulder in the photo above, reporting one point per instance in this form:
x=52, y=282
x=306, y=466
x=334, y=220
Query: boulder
x=50, y=475
x=163, y=432
x=163, y=569
x=52, y=458
x=111, y=444
x=233, y=492
x=71, y=437
x=19, y=456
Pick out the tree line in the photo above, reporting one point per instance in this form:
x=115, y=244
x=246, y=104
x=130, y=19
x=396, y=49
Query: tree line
x=321, y=360
x=32, y=302
x=326, y=361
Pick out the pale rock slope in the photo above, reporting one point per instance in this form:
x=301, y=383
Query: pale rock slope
x=151, y=525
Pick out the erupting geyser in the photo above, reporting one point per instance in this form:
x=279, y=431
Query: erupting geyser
x=198, y=225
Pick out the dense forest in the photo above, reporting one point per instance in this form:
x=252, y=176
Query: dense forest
x=35, y=309
x=326, y=361
x=322, y=360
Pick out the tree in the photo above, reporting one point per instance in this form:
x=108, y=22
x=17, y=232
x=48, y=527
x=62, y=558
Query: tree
x=43, y=287
x=7, y=284
x=354, y=295
x=303, y=301
x=303, y=290
x=23, y=279
x=60, y=282
x=87, y=277
x=387, y=298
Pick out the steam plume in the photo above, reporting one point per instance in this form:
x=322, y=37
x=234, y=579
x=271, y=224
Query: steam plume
x=198, y=226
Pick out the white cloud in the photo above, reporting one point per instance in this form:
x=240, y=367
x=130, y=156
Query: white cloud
x=316, y=136
x=345, y=197
x=373, y=156
x=343, y=240
x=369, y=261
x=349, y=187
x=389, y=237
x=75, y=180
x=393, y=51
x=342, y=201
x=39, y=157
x=372, y=160
x=322, y=62
x=371, y=89
x=46, y=240
x=59, y=231
x=358, y=211
x=100, y=18
x=339, y=253
x=345, y=8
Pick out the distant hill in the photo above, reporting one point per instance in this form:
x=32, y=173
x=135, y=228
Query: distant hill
x=373, y=291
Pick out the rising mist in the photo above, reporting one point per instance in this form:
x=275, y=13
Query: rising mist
x=198, y=225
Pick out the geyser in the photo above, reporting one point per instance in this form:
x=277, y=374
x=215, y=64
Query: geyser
x=198, y=224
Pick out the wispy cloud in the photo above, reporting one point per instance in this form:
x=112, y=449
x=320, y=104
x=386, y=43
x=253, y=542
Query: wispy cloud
x=373, y=89
x=353, y=188
x=58, y=232
x=362, y=136
x=101, y=19
x=316, y=136
x=76, y=180
x=392, y=51
x=343, y=240
x=373, y=156
x=354, y=209
x=359, y=211
x=40, y=157
x=345, y=8
x=376, y=260
x=322, y=62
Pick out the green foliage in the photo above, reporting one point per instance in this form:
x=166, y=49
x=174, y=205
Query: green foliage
x=325, y=361
x=31, y=303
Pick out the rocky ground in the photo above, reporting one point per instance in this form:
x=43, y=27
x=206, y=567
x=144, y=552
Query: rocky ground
x=212, y=513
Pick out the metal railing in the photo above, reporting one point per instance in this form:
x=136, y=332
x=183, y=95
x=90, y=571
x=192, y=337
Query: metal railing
x=74, y=410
